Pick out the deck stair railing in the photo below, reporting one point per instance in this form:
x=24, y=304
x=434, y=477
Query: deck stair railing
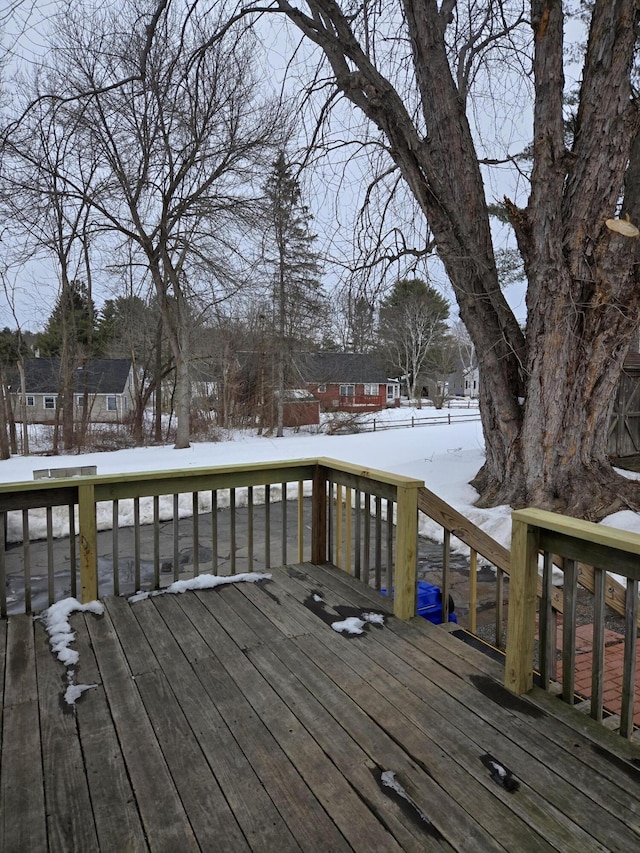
x=581, y=549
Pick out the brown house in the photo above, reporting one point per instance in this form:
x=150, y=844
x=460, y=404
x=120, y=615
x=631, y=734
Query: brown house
x=346, y=381
x=323, y=381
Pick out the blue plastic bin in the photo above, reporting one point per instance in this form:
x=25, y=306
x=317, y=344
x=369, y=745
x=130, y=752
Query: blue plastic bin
x=429, y=603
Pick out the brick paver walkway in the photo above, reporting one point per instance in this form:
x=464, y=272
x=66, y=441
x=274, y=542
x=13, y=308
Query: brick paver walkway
x=613, y=667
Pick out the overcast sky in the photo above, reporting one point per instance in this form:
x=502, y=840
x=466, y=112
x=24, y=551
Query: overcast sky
x=36, y=284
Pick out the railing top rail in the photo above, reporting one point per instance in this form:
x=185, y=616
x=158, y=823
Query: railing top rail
x=164, y=474
x=369, y=473
x=271, y=470
x=585, y=531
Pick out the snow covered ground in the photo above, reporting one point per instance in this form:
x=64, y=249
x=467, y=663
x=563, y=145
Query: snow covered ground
x=446, y=456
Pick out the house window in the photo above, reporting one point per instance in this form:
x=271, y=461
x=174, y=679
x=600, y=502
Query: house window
x=390, y=392
x=31, y=400
x=322, y=389
x=111, y=404
x=49, y=402
x=80, y=402
x=347, y=390
x=371, y=390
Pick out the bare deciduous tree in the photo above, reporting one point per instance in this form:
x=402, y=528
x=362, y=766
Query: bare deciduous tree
x=177, y=133
x=410, y=68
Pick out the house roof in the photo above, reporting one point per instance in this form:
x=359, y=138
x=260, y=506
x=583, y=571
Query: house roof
x=96, y=376
x=338, y=367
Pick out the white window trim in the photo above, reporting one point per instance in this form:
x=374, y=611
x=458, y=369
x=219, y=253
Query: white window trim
x=371, y=389
x=115, y=403
x=344, y=393
x=52, y=397
x=30, y=400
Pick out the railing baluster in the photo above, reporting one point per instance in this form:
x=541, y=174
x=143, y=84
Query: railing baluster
x=569, y=629
x=72, y=550
x=232, y=511
x=597, y=664
x=115, y=551
x=499, y=607
x=473, y=591
x=330, y=554
x=630, y=663
x=50, y=577
x=196, y=533
x=156, y=541
x=547, y=645
x=339, y=540
x=347, y=530
x=214, y=532
x=284, y=524
x=446, y=561
x=136, y=543
x=378, y=546
x=176, y=537
x=267, y=526
x=389, y=580
x=27, y=560
x=301, y=522
x=250, y=528
x=358, y=537
x=367, y=538
x=3, y=565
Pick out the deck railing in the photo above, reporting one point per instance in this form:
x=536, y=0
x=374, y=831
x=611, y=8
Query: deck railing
x=582, y=550
x=96, y=524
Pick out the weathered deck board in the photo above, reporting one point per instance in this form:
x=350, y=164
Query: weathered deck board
x=237, y=719
x=22, y=805
x=117, y=820
x=69, y=816
x=165, y=823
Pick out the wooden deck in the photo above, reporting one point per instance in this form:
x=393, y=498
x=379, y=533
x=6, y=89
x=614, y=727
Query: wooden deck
x=237, y=719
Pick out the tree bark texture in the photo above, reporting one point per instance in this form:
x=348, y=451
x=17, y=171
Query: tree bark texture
x=546, y=395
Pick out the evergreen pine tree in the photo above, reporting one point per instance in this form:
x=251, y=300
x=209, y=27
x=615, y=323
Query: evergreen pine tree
x=299, y=310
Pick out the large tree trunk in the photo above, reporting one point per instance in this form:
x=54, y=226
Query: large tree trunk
x=546, y=400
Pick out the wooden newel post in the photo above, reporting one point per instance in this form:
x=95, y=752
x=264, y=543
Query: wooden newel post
x=523, y=594
x=319, y=517
x=88, y=533
x=404, y=603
